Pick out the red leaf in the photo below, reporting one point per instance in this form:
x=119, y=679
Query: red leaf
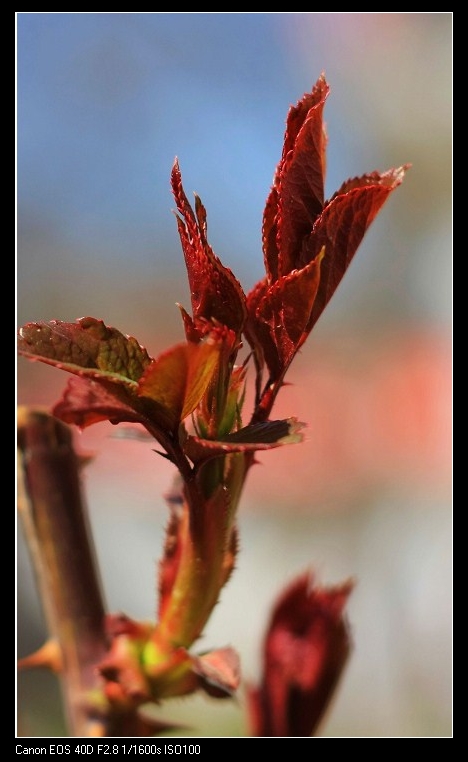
x=297, y=194
x=341, y=228
x=220, y=672
x=305, y=650
x=86, y=348
x=216, y=294
x=301, y=176
x=297, y=226
x=86, y=401
x=286, y=309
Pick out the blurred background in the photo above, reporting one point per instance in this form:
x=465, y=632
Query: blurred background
x=105, y=101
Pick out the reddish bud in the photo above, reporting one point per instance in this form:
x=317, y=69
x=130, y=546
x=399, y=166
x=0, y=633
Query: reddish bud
x=305, y=649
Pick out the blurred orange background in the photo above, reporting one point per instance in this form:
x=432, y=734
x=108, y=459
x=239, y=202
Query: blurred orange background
x=105, y=102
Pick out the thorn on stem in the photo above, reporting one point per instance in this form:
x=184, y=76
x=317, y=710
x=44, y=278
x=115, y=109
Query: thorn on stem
x=49, y=656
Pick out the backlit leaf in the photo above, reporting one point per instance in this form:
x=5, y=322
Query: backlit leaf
x=341, y=228
x=297, y=196
x=178, y=379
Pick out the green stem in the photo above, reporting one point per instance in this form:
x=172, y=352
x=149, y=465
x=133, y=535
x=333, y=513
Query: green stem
x=205, y=552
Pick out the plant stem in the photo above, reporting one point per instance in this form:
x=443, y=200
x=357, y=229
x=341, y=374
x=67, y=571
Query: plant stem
x=56, y=531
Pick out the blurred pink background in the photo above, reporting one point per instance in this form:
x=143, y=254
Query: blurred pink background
x=105, y=102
